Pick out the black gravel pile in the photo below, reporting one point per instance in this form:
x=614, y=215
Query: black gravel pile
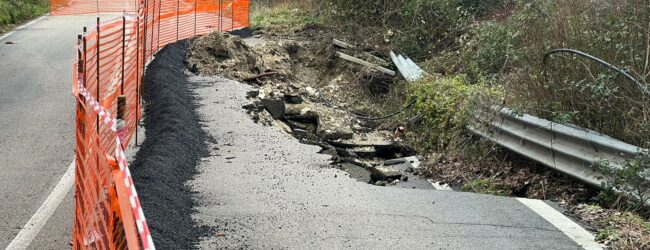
x=170, y=154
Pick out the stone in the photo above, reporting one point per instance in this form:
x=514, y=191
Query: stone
x=252, y=93
x=275, y=107
x=381, y=183
x=356, y=172
x=346, y=153
x=286, y=128
x=293, y=99
x=385, y=172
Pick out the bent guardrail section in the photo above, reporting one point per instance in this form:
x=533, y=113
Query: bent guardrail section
x=572, y=151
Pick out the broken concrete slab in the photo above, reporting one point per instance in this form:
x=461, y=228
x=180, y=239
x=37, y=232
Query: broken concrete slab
x=346, y=152
x=365, y=152
x=333, y=124
x=440, y=186
x=356, y=172
x=275, y=107
x=374, y=139
x=413, y=161
x=385, y=172
x=293, y=98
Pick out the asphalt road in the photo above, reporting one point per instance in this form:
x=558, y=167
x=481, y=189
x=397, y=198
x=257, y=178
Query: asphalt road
x=262, y=189
x=36, y=125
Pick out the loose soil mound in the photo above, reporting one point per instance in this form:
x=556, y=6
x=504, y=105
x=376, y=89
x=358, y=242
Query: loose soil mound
x=168, y=157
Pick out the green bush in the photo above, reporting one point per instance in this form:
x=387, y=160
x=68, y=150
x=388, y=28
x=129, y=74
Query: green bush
x=568, y=89
x=447, y=105
x=14, y=11
x=417, y=27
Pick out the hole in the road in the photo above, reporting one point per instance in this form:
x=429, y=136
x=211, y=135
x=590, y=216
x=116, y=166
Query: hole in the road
x=307, y=91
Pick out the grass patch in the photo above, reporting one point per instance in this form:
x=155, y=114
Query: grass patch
x=14, y=12
x=283, y=17
x=486, y=186
x=617, y=230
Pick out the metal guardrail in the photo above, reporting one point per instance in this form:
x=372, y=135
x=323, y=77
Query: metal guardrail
x=572, y=151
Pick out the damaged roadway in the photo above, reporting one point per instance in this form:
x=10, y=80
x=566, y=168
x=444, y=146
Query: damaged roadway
x=258, y=187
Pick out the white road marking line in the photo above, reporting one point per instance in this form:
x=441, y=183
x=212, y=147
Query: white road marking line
x=566, y=225
x=43, y=214
x=31, y=22
x=23, y=26
x=7, y=35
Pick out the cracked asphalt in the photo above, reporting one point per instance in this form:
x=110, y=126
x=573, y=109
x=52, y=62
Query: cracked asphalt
x=263, y=189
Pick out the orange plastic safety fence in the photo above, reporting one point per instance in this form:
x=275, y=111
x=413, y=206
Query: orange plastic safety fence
x=110, y=63
x=77, y=7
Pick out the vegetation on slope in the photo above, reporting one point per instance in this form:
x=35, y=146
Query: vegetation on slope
x=492, y=52
x=14, y=11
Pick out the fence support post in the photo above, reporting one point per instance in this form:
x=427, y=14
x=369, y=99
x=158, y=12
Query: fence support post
x=98, y=66
x=178, y=7
x=158, y=43
x=220, y=17
x=137, y=78
x=123, y=47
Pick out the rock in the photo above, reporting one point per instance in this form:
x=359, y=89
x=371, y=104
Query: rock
x=404, y=178
x=381, y=183
x=441, y=186
x=356, y=172
x=311, y=92
x=283, y=126
x=252, y=94
x=265, y=118
x=374, y=139
x=366, y=152
x=275, y=107
x=346, y=153
x=293, y=99
x=333, y=124
x=385, y=172
x=357, y=162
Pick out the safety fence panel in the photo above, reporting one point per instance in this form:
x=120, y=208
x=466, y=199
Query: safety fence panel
x=110, y=62
x=78, y=7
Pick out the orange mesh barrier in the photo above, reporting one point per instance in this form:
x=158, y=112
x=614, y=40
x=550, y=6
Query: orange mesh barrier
x=108, y=68
x=76, y=7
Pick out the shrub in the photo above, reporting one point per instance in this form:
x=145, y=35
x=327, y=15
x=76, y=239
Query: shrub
x=447, y=105
x=14, y=11
x=570, y=90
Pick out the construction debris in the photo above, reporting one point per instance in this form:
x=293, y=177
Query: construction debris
x=365, y=63
x=409, y=70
